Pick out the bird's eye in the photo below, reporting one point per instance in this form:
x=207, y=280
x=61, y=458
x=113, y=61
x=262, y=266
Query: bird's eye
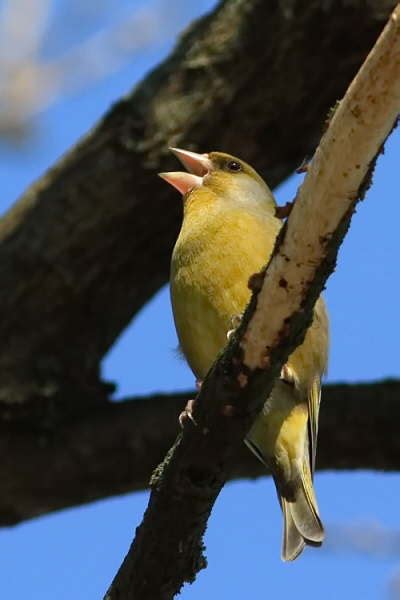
x=234, y=166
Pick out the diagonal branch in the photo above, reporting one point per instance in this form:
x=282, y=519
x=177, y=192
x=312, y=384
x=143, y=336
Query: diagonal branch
x=186, y=485
x=96, y=230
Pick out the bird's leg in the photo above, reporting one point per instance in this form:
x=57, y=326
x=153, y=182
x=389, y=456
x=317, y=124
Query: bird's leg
x=289, y=376
x=234, y=324
x=187, y=413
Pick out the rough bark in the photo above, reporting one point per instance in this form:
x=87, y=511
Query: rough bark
x=168, y=546
x=87, y=245
x=116, y=450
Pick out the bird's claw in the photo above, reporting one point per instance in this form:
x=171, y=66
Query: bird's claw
x=289, y=376
x=234, y=323
x=187, y=414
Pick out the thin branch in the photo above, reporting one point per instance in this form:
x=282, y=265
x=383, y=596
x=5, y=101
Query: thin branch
x=114, y=450
x=168, y=547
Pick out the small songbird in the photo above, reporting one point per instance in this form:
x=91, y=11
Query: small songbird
x=228, y=233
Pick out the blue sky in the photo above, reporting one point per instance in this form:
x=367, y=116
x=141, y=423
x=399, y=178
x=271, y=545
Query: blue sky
x=75, y=553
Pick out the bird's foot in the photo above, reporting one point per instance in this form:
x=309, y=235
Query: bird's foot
x=234, y=324
x=187, y=413
x=289, y=376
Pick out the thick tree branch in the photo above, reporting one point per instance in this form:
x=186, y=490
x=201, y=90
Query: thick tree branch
x=115, y=450
x=88, y=244
x=168, y=547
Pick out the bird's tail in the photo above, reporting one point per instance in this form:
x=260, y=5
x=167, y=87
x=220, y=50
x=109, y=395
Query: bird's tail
x=302, y=524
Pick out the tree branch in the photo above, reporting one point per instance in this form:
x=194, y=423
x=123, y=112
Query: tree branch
x=115, y=449
x=94, y=232
x=186, y=485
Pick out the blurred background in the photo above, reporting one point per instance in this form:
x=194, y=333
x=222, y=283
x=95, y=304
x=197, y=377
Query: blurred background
x=62, y=64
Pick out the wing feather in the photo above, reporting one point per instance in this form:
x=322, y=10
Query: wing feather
x=314, y=398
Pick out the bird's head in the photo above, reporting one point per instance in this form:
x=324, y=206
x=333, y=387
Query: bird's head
x=228, y=178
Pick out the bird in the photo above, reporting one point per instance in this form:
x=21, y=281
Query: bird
x=228, y=233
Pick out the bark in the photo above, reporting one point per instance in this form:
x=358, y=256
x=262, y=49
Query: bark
x=168, y=547
x=116, y=450
x=88, y=244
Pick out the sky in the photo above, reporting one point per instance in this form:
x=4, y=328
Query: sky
x=75, y=553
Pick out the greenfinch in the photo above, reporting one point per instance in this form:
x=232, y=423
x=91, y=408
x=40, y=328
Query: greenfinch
x=228, y=233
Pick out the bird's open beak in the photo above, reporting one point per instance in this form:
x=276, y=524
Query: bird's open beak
x=198, y=166
x=183, y=182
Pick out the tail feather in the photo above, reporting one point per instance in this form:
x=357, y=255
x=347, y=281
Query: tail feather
x=314, y=525
x=302, y=524
x=306, y=518
x=293, y=542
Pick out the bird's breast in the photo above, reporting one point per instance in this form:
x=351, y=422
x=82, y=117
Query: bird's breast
x=211, y=264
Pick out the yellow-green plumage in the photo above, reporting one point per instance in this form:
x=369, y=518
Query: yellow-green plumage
x=228, y=233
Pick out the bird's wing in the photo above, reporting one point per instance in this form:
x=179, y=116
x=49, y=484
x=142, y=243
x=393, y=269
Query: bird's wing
x=314, y=397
